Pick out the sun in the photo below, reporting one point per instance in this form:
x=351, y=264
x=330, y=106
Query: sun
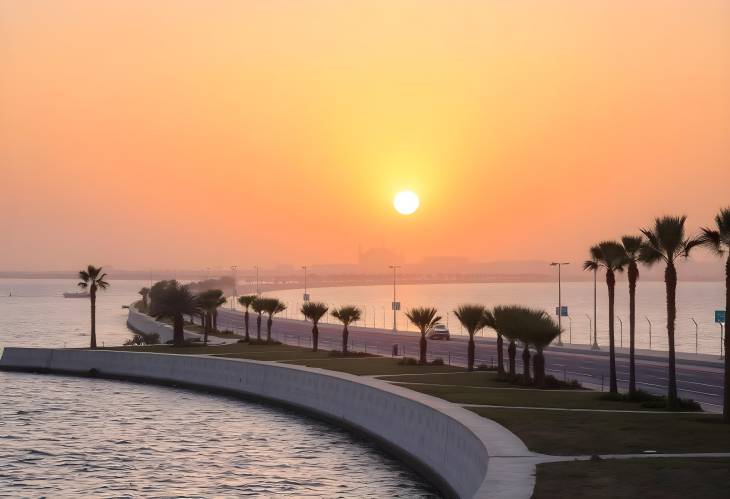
x=406, y=202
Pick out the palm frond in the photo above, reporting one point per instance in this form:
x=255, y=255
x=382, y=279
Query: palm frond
x=471, y=317
x=314, y=310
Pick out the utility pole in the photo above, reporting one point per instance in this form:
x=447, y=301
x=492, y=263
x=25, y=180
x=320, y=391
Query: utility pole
x=560, y=304
x=395, y=305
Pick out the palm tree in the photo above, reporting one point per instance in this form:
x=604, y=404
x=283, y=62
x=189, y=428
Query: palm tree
x=631, y=247
x=666, y=242
x=423, y=318
x=490, y=321
x=314, y=311
x=610, y=256
x=257, y=306
x=472, y=318
x=246, y=301
x=209, y=301
x=718, y=240
x=144, y=292
x=173, y=300
x=346, y=315
x=271, y=306
x=92, y=279
x=538, y=329
x=505, y=318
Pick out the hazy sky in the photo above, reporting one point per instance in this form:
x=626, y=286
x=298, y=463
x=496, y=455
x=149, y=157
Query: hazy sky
x=209, y=133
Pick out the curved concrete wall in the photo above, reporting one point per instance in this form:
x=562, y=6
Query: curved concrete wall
x=468, y=455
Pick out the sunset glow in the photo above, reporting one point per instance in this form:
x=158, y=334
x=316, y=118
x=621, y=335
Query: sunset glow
x=406, y=202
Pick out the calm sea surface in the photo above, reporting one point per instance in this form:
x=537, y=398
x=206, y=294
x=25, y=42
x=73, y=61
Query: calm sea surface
x=77, y=437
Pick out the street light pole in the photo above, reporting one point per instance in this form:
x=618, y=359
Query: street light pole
x=234, y=268
x=595, y=311
x=560, y=304
x=647, y=320
x=622, y=330
x=395, y=307
x=697, y=335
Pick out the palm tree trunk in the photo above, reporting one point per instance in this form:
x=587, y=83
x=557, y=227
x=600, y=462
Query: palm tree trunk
x=538, y=362
x=245, y=321
x=92, y=296
x=726, y=403
x=315, y=337
x=512, y=353
x=470, y=349
x=345, y=335
x=670, y=280
x=178, y=335
x=269, y=322
x=526, y=364
x=423, y=346
x=633, y=276
x=500, y=354
x=611, y=283
x=215, y=320
x=258, y=327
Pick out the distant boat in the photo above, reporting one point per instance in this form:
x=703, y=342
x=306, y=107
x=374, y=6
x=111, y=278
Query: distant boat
x=80, y=294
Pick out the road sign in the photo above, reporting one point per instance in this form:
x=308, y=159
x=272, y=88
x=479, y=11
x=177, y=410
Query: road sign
x=720, y=316
x=395, y=305
x=306, y=296
x=563, y=311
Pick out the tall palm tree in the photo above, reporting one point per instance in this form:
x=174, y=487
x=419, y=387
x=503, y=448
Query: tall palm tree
x=346, y=315
x=246, y=301
x=718, y=240
x=631, y=246
x=472, y=318
x=610, y=256
x=257, y=306
x=423, y=318
x=490, y=321
x=173, y=300
x=314, y=310
x=144, y=292
x=271, y=306
x=666, y=242
x=92, y=279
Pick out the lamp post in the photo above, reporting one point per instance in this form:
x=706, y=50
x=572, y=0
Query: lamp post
x=622, y=330
x=570, y=326
x=697, y=335
x=595, y=311
x=395, y=305
x=560, y=304
x=647, y=320
x=234, y=268
x=306, y=295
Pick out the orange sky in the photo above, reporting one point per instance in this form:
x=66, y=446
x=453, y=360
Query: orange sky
x=210, y=133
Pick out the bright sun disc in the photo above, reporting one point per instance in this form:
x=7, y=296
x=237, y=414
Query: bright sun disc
x=406, y=202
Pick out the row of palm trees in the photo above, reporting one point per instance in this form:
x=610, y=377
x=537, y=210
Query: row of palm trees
x=665, y=242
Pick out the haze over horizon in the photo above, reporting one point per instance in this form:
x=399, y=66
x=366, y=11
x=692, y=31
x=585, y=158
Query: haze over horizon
x=190, y=134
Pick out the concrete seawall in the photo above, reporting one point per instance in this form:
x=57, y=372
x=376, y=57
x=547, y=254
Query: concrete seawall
x=462, y=453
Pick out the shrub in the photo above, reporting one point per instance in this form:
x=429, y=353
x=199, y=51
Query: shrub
x=650, y=401
x=485, y=367
x=408, y=361
x=143, y=339
x=437, y=362
x=337, y=353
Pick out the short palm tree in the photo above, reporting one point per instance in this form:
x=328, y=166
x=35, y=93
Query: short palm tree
x=631, y=247
x=346, y=315
x=271, y=306
x=666, y=242
x=209, y=301
x=718, y=240
x=173, y=300
x=538, y=329
x=144, y=292
x=507, y=318
x=609, y=255
x=423, y=318
x=472, y=318
x=92, y=279
x=490, y=321
x=257, y=306
x=246, y=301
x=314, y=311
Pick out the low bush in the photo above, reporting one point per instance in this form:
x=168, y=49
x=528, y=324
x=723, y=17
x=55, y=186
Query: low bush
x=551, y=382
x=143, y=339
x=338, y=353
x=651, y=401
x=437, y=362
x=408, y=361
x=485, y=367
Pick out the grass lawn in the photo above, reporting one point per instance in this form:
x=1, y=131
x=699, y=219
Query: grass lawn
x=365, y=366
x=573, y=433
x=279, y=354
x=242, y=348
x=475, y=378
x=574, y=399
x=658, y=478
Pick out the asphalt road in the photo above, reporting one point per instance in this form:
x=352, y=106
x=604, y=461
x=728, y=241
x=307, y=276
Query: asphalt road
x=698, y=377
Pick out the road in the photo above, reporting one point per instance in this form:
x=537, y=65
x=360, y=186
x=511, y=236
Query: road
x=698, y=376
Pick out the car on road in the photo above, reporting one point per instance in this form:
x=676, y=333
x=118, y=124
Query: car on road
x=438, y=332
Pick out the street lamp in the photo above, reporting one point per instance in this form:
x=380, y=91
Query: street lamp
x=306, y=295
x=647, y=320
x=560, y=305
x=395, y=305
x=570, y=326
x=234, y=268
